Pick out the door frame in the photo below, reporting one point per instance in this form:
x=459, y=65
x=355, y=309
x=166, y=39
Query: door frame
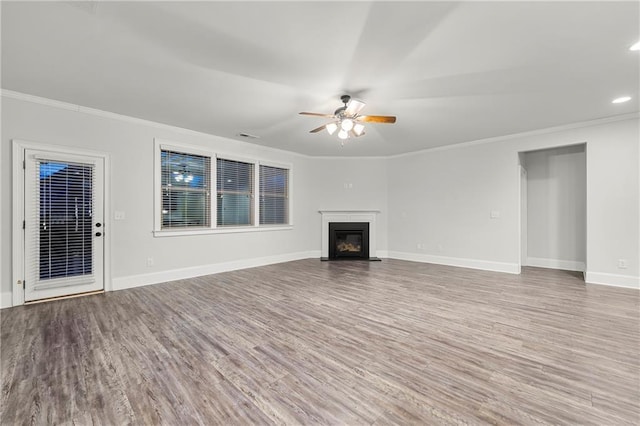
x=18, y=205
x=523, y=216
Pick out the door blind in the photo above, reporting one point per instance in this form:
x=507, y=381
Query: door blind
x=62, y=221
x=274, y=196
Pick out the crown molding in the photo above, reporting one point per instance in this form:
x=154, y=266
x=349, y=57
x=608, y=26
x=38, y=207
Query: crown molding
x=128, y=119
x=544, y=131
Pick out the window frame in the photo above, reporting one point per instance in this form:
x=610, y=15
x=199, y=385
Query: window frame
x=162, y=145
x=252, y=210
x=287, y=195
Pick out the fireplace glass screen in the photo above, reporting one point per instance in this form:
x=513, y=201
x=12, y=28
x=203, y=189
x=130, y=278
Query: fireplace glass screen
x=348, y=240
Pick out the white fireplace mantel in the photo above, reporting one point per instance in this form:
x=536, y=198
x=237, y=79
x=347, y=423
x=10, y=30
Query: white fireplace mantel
x=349, y=216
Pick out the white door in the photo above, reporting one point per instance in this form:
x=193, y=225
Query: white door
x=64, y=232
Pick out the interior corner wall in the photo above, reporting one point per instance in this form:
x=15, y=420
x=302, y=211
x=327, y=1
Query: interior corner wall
x=441, y=202
x=556, y=207
x=130, y=145
x=350, y=184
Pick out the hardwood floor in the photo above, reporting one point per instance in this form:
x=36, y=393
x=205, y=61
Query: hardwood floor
x=308, y=342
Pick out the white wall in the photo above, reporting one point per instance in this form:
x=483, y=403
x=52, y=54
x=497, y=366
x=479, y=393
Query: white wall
x=317, y=183
x=350, y=184
x=557, y=207
x=440, y=199
x=130, y=146
x=443, y=198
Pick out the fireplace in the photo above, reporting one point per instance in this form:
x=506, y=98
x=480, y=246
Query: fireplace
x=348, y=240
x=357, y=235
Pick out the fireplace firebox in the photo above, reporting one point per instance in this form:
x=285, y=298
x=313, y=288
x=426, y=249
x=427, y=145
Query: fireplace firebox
x=349, y=240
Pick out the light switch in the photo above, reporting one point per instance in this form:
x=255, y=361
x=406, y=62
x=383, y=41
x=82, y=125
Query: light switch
x=495, y=214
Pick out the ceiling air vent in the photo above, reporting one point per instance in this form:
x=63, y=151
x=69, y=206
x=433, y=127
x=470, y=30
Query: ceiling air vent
x=248, y=135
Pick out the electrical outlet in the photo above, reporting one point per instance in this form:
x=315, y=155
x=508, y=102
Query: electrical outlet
x=118, y=215
x=622, y=263
x=149, y=261
x=419, y=246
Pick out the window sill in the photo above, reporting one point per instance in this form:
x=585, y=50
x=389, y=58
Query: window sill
x=224, y=230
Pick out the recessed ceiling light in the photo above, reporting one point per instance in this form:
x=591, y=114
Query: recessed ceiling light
x=635, y=46
x=621, y=99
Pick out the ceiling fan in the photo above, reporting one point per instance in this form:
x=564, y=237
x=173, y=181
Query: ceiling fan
x=347, y=119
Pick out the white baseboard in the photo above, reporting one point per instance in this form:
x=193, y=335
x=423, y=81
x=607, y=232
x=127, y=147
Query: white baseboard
x=382, y=254
x=6, y=299
x=566, y=265
x=627, y=281
x=485, y=265
x=131, y=281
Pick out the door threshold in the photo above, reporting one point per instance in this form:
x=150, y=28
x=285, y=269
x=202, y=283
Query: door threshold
x=70, y=296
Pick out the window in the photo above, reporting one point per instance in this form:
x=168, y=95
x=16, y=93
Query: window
x=198, y=191
x=235, y=193
x=186, y=199
x=274, y=196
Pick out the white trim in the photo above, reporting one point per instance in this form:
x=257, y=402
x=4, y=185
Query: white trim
x=6, y=300
x=566, y=265
x=128, y=119
x=166, y=145
x=349, y=216
x=485, y=265
x=614, y=280
x=105, y=114
x=537, y=132
x=347, y=212
x=382, y=254
x=220, y=230
x=274, y=164
x=140, y=280
x=17, y=233
x=17, y=173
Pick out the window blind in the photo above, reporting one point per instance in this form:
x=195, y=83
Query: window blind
x=235, y=193
x=64, y=220
x=186, y=190
x=274, y=196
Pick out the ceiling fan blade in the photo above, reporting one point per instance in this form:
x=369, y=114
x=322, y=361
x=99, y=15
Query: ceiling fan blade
x=317, y=129
x=376, y=119
x=353, y=107
x=316, y=114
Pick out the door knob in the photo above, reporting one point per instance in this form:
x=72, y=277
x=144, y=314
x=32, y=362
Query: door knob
x=98, y=225
x=98, y=234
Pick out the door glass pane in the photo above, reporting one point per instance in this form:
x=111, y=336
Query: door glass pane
x=65, y=211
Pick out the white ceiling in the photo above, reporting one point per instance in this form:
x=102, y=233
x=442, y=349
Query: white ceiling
x=451, y=72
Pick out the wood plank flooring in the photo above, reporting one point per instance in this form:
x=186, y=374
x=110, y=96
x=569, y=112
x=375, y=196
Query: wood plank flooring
x=310, y=342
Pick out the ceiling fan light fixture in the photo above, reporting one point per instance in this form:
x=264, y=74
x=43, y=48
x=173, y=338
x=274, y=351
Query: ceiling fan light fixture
x=343, y=134
x=346, y=124
x=331, y=127
x=358, y=129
